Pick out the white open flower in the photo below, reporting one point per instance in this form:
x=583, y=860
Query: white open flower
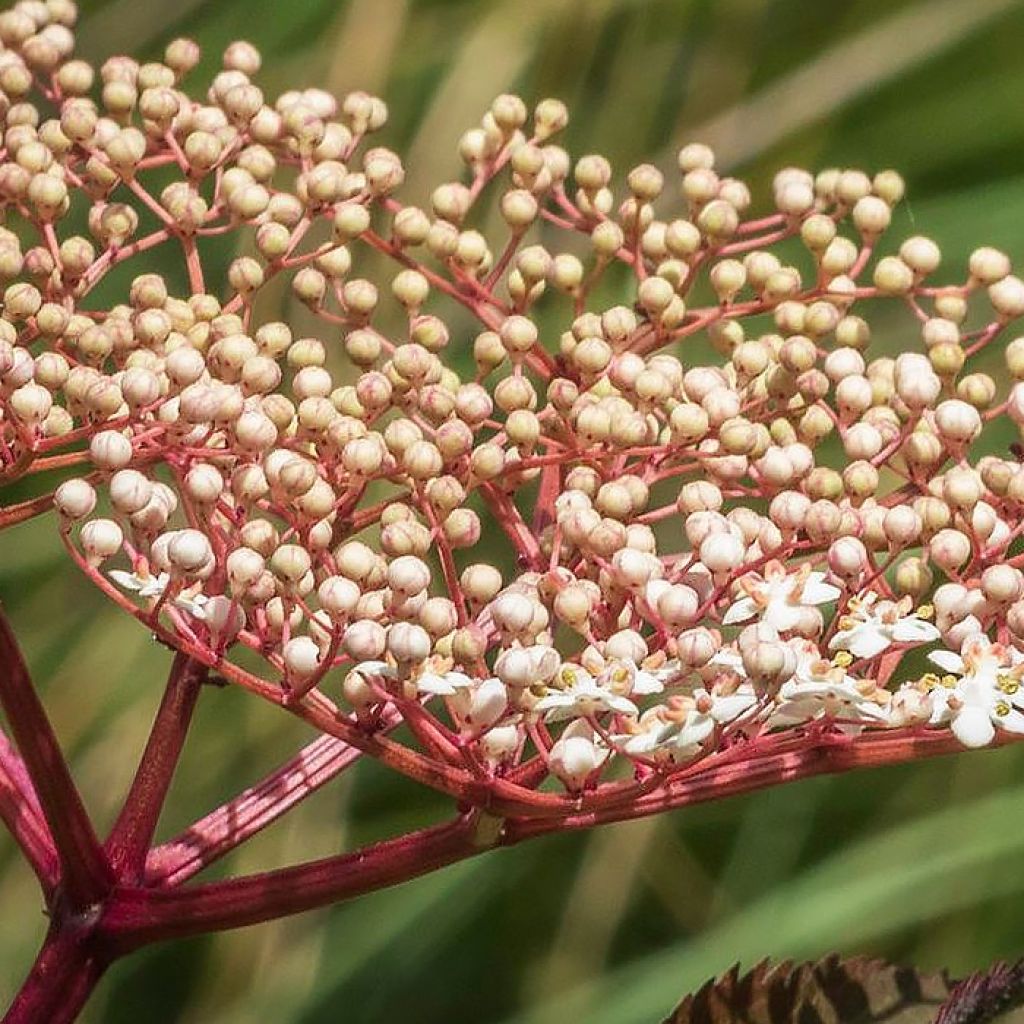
x=582, y=695
x=143, y=584
x=445, y=684
x=683, y=739
x=778, y=596
x=148, y=586
x=869, y=626
x=577, y=754
x=820, y=689
x=981, y=692
x=625, y=677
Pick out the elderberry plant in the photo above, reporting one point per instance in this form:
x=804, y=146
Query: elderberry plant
x=730, y=574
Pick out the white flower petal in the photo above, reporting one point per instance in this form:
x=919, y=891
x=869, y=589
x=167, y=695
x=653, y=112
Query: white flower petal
x=646, y=683
x=743, y=609
x=727, y=709
x=438, y=686
x=817, y=591
x=374, y=668
x=127, y=580
x=914, y=630
x=948, y=660
x=1013, y=722
x=973, y=727
x=867, y=642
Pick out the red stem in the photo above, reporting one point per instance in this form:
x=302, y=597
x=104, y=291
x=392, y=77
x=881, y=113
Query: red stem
x=137, y=916
x=227, y=827
x=132, y=834
x=21, y=813
x=85, y=873
x=61, y=980
x=134, y=917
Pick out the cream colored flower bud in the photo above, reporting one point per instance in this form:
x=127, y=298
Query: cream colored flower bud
x=696, y=647
x=847, y=557
x=949, y=549
x=110, y=449
x=100, y=539
x=290, y=563
x=987, y=265
x=871, y=216
x=957, y=421
x=769, y=663
x=1003, y=584
x=1007, y=296
x=574, y=758
x=130, y=491
x=921, y=254
x=188, y=551
x=364, y=640
x=892, y=276
x=722, y=552
x=408, y=643
x=75, y=499
x=244, y=567
x=301, y=657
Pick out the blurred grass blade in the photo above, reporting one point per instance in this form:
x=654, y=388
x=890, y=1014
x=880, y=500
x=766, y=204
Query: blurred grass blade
x=841, y=74
x=951, y=859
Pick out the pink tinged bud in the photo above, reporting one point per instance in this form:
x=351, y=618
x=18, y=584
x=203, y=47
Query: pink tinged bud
x=223, y=617
x=301, y=657
x=722, y=552
x=1015, y=405
x=625, y=645
x=101, y=538
x=188, y=551
x=408, y=643
x=244, y=567
x=364, y=640
x=130, y=491
x=75, y=499
x=408, y=574
x=513, y=612
x=949, y=549
x=338, y=596
x=110, y=450
x=957, y=421
x=788, y=510
x=487, y=703
x=696, y=647
x=1002, y=584
x=633, y=569
x=847, y=557
x=677, y=605
x=499, y=744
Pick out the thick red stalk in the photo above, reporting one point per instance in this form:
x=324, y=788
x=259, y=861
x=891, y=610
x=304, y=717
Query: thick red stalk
x=132, y=834
x=20, y=812
x=137, y=916
x=85, y=872
x=134, y=917
x=61, y=980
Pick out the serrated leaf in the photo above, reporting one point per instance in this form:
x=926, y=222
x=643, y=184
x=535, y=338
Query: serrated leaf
x=986, y=996
x=832, y=990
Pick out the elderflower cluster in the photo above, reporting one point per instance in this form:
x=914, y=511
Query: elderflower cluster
x=703, y=553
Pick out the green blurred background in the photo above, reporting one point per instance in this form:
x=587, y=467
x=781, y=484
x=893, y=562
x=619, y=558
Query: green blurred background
x=922, y=864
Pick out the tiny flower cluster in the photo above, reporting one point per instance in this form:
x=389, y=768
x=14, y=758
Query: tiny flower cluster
x=693, y=572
